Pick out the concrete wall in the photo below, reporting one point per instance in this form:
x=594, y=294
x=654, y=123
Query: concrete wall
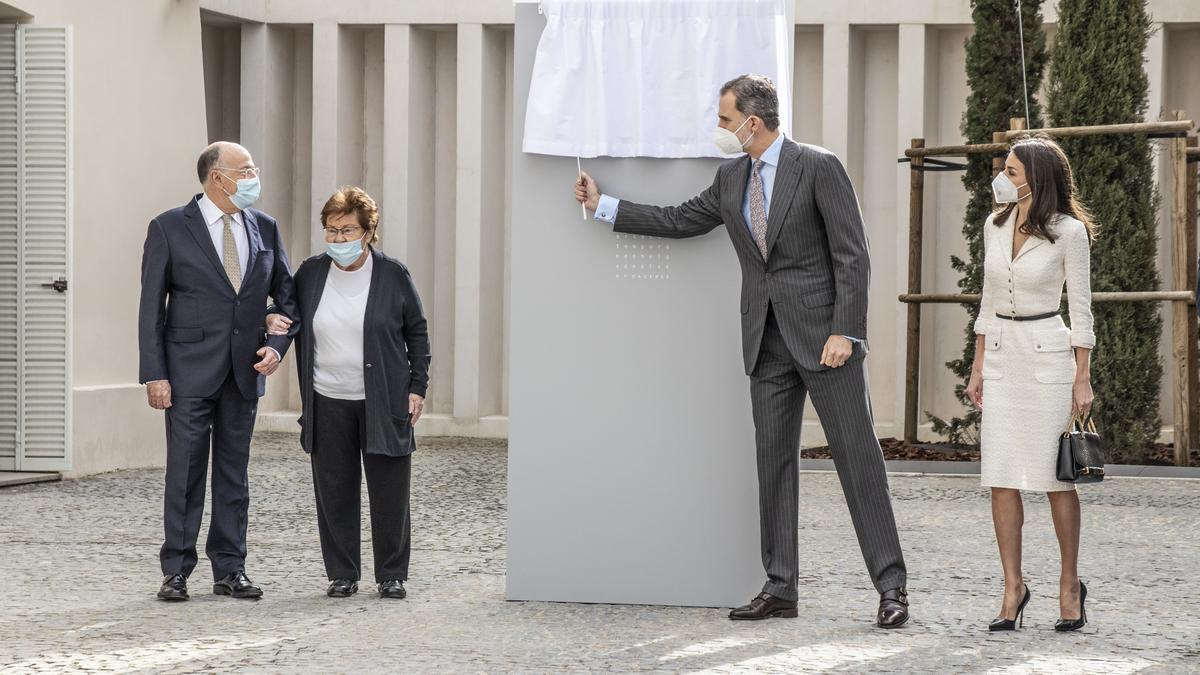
x=411, y=100
x=312, y=110
x=139, y=115
x=869, y=76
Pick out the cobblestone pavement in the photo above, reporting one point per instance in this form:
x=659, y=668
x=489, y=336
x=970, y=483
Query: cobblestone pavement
x=78, y=564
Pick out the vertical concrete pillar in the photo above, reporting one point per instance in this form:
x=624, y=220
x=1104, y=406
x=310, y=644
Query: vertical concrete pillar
x=324, y=121
x=253, y=110
x=468, y=220
x=835, y=89
x=397, y=47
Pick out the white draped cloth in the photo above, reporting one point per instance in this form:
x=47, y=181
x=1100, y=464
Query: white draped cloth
x=641, y=78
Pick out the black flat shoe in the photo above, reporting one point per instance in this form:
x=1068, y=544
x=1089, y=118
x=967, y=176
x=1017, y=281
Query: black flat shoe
x=174, y=588
x=237, y=585
x=893, y=608
x=1012, y=624
x=392, y=589
x=1067, y=625
x=342, y=588
x=765, y=606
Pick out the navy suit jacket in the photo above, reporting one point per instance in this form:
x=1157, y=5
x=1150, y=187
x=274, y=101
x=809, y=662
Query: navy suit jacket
x=192, y=327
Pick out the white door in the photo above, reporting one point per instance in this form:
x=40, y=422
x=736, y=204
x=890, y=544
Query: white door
x=35, y=244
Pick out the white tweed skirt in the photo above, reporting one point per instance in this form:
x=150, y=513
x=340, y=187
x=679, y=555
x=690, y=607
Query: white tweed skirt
x=1028, y=378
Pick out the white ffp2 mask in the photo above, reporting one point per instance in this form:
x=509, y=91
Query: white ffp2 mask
x=728, y=142
x=1003, y=189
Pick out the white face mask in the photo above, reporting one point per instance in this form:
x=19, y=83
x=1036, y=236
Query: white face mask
x=728, y=142
x=1004, y=190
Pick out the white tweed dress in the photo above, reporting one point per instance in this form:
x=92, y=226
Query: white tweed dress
x=1029, y=366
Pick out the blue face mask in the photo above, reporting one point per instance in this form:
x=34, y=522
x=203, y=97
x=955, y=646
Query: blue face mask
x=248, y=190
x=344, y=253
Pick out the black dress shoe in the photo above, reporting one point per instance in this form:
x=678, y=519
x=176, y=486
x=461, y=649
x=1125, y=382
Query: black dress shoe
x=237, y=585
x=765, y=606
x=893, y=608
x=392, y=589
x=1068, y=625
x=1002, y=623
x=174, y=588
x=342, y=588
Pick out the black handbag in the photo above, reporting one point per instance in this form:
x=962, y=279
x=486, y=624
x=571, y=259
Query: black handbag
x=1081, y=452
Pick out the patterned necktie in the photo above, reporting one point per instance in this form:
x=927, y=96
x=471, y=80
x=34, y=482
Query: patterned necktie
x=233, y=265
x=758, y=208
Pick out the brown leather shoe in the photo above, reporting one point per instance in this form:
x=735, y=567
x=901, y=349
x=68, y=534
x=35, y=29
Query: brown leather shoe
x=893, y=608
x=765, y=606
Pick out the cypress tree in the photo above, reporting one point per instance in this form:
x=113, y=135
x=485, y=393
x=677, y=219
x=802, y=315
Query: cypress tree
x=993, y=60
x=1097, y=78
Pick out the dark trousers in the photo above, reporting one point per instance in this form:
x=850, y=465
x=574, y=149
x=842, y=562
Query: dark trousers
x=223, y=422
x=337, y=463
x=778, y=388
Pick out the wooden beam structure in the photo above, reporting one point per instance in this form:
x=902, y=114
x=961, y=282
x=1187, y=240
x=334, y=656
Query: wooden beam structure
x=1182, y=297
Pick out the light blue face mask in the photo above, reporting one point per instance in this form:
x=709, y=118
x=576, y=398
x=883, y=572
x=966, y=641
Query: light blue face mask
x=344, y=253
x=248, y=191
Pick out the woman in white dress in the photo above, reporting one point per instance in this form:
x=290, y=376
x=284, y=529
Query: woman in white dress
x=1031, y=373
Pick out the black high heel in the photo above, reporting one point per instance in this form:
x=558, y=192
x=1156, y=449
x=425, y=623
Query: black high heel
x=1019, y=620
x=1065, y=625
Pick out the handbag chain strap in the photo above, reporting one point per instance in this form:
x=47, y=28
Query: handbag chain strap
x=1081, y=422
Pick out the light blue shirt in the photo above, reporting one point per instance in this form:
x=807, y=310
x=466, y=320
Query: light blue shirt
x=606, y=209
x=770, y=162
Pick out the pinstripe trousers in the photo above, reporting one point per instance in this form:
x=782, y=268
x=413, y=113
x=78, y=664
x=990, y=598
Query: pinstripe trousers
x=778, y=388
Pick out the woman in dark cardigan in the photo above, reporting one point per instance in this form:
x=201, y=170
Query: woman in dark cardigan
x=363, y=363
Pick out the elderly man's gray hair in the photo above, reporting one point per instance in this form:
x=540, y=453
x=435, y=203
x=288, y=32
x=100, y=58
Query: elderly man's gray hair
x=755, y=95
x=207, y=162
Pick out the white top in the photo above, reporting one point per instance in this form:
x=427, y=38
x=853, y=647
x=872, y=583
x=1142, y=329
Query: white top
x=1032, y=283
x=216, y=229
x=338, y=328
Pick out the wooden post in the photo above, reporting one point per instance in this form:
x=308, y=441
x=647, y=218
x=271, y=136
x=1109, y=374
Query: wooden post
x=998, y=160
x=916, y=213
x=1193, y=354
x=1181, y=335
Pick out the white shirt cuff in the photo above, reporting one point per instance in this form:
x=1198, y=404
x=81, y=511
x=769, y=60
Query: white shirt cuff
x=606, y=210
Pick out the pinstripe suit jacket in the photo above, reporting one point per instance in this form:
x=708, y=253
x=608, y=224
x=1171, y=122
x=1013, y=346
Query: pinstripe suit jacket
x=817, y=268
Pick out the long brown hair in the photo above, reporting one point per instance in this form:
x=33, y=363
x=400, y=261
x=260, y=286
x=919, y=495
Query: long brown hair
x=1052, y=184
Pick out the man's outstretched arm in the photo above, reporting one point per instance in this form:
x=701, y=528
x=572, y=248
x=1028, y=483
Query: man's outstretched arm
x=698, y=215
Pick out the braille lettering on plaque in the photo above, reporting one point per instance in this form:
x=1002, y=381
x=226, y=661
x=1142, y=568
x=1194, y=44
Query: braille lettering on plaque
x=641, y=258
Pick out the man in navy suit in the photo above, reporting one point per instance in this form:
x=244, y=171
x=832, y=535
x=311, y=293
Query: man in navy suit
x=207, y=271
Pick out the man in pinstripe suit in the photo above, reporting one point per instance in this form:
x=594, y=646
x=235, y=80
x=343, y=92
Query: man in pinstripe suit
x=794, y=220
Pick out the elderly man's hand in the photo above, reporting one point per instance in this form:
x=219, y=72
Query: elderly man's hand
x=270, y=361
x=278, y=324
x=159, y=394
